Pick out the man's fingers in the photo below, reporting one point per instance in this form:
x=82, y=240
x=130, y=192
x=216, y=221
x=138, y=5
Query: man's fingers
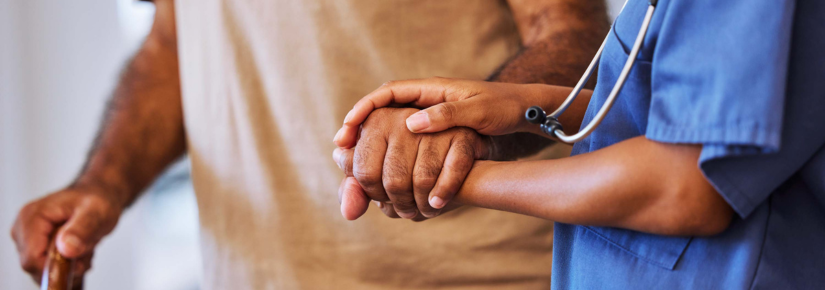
x=343, y=158
x=367, y=164
x=431, y=154
x=82, y=265
x=457, y=165
x=32, y=232
x=397, y=174
x=467, y=113
x=32, y=247
x=354, y=202
x=387, y=209
x=82, y=232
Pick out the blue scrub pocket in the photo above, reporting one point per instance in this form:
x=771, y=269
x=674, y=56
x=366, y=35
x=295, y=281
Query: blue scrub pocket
x=658, y=250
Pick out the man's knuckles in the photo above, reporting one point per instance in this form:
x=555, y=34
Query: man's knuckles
x=387, y=119
x=368, y=180
x=423, y=183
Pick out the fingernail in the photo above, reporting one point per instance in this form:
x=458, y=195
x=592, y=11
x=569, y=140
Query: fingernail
x=348, y=117
x=408, y=214
x=432, y=214
x=74, y=243
x=336, y=155
x=378, y=204
x=337, y=135
x=344, y=210
x=436, y=202
x=418, y=121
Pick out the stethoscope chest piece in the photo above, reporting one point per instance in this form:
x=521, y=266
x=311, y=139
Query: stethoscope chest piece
x=536, y=115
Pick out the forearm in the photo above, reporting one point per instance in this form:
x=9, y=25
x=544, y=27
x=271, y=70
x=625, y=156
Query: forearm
x=142, y=131
x=530, y=139
x=560, y=38
x=637, y=184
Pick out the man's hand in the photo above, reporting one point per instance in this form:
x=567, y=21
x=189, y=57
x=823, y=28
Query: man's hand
x=82, y=215
x=141, y=135
x=415, y=173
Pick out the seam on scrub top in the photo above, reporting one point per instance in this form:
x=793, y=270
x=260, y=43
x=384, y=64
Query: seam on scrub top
x=760, y=135
x=616, y=35
x=628, y=250
x=762, y=248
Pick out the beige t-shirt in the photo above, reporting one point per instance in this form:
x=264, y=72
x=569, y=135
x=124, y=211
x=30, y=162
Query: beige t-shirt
x=266, y=84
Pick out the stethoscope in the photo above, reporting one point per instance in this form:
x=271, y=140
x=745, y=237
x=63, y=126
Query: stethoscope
x=550, y=124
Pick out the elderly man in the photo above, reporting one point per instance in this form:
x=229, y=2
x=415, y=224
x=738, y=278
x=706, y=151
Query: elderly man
x=251, y=90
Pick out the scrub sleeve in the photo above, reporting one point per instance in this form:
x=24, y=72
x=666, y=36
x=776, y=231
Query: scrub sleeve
x=727, y=94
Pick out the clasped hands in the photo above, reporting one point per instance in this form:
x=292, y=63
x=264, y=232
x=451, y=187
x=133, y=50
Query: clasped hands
x=413, y=162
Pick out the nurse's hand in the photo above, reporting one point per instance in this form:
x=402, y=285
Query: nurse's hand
x=487, y=107
x=417, y=174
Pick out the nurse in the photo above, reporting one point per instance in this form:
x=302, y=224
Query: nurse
x=708, y=172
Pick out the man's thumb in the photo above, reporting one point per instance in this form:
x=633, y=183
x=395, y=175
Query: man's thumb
x=354, y=202
x=447, y=115
x=79, y=235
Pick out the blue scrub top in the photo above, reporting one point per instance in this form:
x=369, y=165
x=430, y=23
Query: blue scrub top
x=746, y=79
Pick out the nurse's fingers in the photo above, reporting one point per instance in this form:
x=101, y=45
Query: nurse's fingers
x=420, y=93
x=432, y=150
x=471, y=113
x=354, y=201
x=465, y=148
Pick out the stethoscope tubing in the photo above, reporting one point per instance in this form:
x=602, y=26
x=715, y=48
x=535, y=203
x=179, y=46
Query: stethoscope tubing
x=555, y=129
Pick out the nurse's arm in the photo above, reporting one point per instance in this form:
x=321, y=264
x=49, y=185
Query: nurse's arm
x=637, y=184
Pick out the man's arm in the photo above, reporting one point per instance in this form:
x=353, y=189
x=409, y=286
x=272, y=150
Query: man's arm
x=636, y=184
x=141, y=134
x=560, y=37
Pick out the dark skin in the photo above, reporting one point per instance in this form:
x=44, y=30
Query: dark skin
x=564, y=33
x=418, y=160
x=636, y=184
x=142, y=134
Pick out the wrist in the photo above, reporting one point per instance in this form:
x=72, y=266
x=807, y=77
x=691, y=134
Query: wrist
x=117, y=193
x=474, y=190
x=547, y=97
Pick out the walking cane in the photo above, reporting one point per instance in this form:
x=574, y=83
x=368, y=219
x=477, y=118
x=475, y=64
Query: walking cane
x=58, y=273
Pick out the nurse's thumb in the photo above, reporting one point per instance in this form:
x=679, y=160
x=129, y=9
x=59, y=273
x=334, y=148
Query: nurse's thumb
x=464, y=113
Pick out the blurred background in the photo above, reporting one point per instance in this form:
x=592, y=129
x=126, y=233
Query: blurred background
x=59, y=61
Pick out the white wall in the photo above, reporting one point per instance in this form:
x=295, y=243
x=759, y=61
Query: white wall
x=59, y=61
x=10, y=135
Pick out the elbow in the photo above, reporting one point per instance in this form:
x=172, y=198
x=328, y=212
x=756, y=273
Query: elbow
x=698, y=212
x=710, y=224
